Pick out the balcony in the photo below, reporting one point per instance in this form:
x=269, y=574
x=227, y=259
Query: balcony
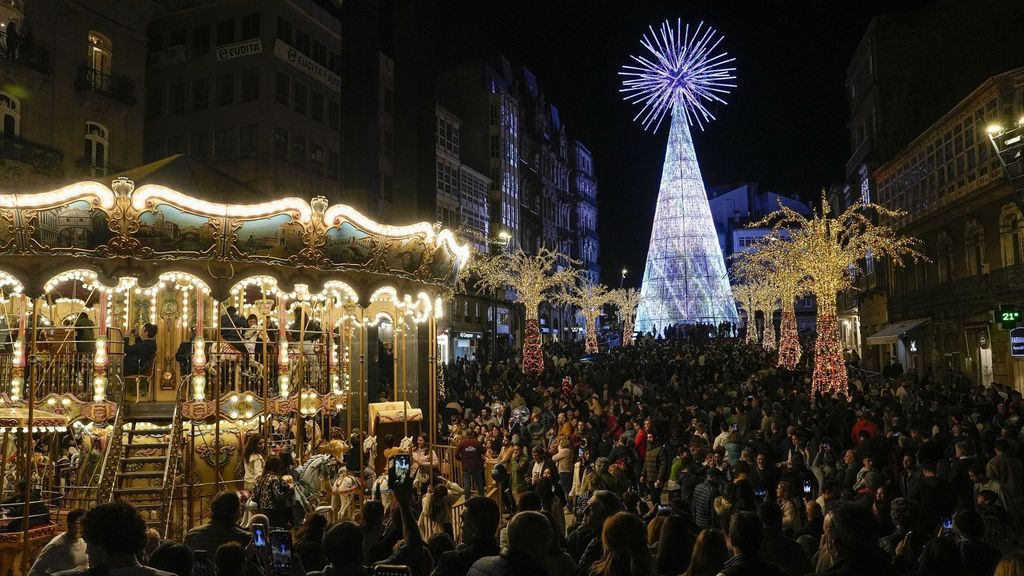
x=26, y=54
x=43, y=159
x=978, y=292
x=117, y=88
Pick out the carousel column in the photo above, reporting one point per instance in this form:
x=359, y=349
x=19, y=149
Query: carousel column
x=372, y=353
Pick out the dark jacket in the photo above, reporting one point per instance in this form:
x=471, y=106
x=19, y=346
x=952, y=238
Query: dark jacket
x=578, y=541
x=874, y=563
x=212, y=535
x=743, y=565
x=704, y=502
x=656, y=464
x=980, y=558
x=139, y=356
x=785, y=553
x=457, y=562
x=938, y=500
x=507, y=564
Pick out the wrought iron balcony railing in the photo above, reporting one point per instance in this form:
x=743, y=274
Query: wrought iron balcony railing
x=114, y=87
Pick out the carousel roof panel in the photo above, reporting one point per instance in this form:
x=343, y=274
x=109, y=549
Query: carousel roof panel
x=158, y=227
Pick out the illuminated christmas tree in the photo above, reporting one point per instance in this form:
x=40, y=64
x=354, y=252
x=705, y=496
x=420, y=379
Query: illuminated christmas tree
x=685, y=279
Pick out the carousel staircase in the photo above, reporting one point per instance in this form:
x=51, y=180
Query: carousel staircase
x=147, y=460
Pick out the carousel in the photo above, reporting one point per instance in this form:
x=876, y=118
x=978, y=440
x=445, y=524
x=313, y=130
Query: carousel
x=146, y=336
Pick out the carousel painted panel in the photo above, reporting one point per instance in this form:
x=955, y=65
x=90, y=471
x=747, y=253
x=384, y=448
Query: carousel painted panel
x=349, y=245
x=70, y=228
x=168, y=230
x=273, y=238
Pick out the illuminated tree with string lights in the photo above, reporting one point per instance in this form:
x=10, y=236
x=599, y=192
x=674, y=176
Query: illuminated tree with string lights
x=744, y=294
x=775, y=259
x=590, y=299
x=532, y=279
x=626, y=301
x=829, y=249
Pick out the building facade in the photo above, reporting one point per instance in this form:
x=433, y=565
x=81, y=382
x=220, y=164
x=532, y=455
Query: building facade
x=70, y=90
x=252, y=90
x=960, y=204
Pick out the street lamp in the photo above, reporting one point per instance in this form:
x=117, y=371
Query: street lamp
x=623, y=279
x=1009, y=146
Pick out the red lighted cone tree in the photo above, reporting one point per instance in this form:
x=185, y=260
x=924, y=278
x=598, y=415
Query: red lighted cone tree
x=530, y=278
x=829, y=250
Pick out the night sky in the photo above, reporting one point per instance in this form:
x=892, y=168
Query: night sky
x=784, y=126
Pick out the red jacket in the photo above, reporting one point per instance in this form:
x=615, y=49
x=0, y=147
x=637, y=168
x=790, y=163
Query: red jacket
x=640, y=443
x=863, y=424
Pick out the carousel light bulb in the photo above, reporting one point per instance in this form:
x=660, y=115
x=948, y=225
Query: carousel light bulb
x=99, y=388
x=283, y=383
x=199, y=387
x=17, y=382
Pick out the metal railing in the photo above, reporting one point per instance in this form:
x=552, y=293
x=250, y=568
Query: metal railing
x=173, y=457
x=115, y=87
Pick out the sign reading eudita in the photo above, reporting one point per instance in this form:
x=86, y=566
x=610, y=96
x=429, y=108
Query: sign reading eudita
x=292, y=56
x=239, y=49
x=1017, y=342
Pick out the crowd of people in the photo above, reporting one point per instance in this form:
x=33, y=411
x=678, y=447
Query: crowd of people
x=693, y=455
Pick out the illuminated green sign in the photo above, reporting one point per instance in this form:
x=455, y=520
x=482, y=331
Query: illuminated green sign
x=1008, y=316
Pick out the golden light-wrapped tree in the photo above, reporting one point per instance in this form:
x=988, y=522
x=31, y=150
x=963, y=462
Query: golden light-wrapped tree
x=776, y=259
x=590, y=299
x=829, y=250
x=626, y=301
x=744, y=294
x=532, y=279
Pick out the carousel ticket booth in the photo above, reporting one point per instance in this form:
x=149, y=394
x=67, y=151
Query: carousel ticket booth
x=153, y=332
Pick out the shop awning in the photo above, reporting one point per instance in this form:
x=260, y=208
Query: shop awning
x=893, y=331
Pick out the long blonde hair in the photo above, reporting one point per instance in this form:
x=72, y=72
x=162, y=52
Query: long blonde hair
x=625, y=547
x=1011, y=565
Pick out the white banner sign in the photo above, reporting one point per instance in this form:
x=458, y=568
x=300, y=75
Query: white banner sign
x=292, y=56
x=239, y=49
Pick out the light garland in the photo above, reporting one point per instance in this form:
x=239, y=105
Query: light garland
x=533, y=357
x=829, y=364
x=768, y=340
x=589, y=298
x=789, y=342
x=626, y=301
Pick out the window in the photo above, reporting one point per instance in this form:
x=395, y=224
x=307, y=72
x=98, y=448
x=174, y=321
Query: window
x=284, y=30
x=225, y=89
x=223, y=144
x=177, y=98
x=298, y=154
x=302, y=42
x=280, y=143
x=301, y=97
x=250, y=85
x=333, y=161
x=283, y=88
x=333, y=115
x=251, y=26
x=495, y=147
x=1011, y=234
x=176, y=145
x=100, y=53
x=154, y=101
x=319, y=52
x=10, y=110
x=201, y=41
x=225, y=31
x=247, y=138
x=152, y=150
x=316, y=109
x=176, y=38
x=200, y=93
x=974, y=246
x=199, y=145
x=97, y=147
x=316, y=155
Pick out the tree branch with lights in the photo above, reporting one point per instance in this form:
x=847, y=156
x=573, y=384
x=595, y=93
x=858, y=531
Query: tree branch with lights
x=744, y=293
x=626, y=301
x=590, y=299
x=531, y=278
x=829, y=250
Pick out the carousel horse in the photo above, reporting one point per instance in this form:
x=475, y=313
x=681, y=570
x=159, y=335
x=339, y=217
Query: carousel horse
x=315, y=477
x=406, y=445
x=370, y=447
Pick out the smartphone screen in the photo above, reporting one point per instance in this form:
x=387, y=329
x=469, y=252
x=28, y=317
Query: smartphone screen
x=200, y=564
x=401, y=466
x=947, y=524
x=259, y=536
x=392, y=570
x=281, y=552
x=760, y=493
x=807, y=487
